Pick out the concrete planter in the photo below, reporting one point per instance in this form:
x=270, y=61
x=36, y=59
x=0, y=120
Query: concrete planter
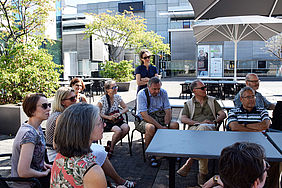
x=123, y=86
x=11, y=118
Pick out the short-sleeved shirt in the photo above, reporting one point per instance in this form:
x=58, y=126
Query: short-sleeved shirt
x=105, y=105
x=28, y=134
x=50, y=127
x=69, y=172
x=159, y=102
x=261, y=101
x=242, y=115
x=142, y=70
x=201, y=113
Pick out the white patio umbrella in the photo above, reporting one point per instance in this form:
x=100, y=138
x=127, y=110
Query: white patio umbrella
x=207, y=9
x=237, y=28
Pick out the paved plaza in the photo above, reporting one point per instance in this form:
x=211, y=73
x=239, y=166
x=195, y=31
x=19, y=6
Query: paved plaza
x=133, y=167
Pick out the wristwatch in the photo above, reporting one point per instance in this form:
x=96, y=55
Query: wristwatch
x=215, y=179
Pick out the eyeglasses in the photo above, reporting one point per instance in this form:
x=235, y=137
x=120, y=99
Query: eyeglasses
x=250, y=97
x=147, y=57
x=115, y=87
x=101, y=122
x=267, y=167
x=46, y=105
x=202, y=88
x=72, y=99
x=253, y=81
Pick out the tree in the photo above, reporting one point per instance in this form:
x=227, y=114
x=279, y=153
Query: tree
x=124, y=31
x=274, y=46
x=24, y=66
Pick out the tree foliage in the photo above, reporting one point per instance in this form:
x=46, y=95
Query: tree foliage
x=120, y=72
x=274, y=46
x=24, y=66
x=126, y=31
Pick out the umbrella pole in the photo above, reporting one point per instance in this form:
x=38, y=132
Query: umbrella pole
x=235, y=60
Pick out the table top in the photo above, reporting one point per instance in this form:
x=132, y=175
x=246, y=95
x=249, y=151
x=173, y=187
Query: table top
x=179, y=103
x=204, y=144
x=66, y=83
x=98, y=79
x=215, y=82
x=276, y=137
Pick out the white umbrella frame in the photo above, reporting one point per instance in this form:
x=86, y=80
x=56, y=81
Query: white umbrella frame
x=238, y=30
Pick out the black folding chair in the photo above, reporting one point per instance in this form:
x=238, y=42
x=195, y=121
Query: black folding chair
x=129, y=141
x=137, y=119
x=4, y=180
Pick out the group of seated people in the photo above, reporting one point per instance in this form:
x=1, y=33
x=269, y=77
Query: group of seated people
x=72, y=130
x=203, y=113
x=74, y=126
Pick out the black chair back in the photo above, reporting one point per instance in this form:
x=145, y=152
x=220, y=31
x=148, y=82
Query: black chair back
x=277, y=117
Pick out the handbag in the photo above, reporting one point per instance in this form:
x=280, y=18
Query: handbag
x=118, y=119
x=159, y=116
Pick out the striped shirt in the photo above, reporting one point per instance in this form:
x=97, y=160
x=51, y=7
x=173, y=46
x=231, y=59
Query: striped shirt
x=241, y=115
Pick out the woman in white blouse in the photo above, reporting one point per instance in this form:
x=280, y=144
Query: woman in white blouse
x=109, y=111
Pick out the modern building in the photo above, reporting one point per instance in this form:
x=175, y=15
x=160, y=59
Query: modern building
x=173, y=19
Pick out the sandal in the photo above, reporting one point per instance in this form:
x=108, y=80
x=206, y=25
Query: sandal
x=109, y=143
x=129, y=184
x=110, y=154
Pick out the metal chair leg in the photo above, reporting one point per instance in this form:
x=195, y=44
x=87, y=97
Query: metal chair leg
x=129, y=144
x=143, y=147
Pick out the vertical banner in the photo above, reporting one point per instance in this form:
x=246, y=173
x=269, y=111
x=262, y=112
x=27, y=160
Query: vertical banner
x=216, y=66
x=203, y=60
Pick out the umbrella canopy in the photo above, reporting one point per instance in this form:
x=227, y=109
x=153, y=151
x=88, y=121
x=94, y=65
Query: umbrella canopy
x=237, y=28
x=207, y=9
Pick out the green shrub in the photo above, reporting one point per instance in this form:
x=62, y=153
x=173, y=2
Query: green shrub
x=120, y=72
x=26, y=69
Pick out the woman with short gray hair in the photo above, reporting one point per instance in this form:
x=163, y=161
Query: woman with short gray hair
x=75, y=166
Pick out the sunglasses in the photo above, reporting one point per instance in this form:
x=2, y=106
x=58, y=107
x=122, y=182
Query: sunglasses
x=202, y=88
x=46, y=105
x=72, y=99
x=115, y=87
x=253, y=81
x=147, y=57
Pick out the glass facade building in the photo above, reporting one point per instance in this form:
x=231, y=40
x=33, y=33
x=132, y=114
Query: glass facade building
x=173, y=19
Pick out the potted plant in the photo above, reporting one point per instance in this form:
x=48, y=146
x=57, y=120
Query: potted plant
x=120, y=72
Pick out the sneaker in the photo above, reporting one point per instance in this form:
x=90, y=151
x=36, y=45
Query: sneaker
x=154, y=162
x=202, y=179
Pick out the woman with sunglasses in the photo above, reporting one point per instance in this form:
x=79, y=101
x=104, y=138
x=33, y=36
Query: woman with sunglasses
x=109, y=111
x=145, y=71
x=64, y=98
x=28, y=152
x=78, y=86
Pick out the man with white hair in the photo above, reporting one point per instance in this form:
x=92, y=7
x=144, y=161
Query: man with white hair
x=252, y=81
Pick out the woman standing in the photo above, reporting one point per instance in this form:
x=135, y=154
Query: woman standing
x=109, y=111
x=145, y=71
x=28, y=152
x=78, y=86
